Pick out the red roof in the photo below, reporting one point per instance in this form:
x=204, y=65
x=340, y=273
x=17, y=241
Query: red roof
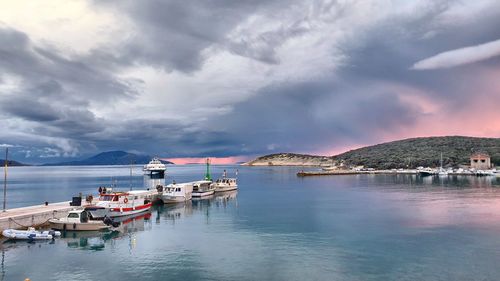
x=480, y=155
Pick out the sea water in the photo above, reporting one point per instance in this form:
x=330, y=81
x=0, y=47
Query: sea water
x=275, y=227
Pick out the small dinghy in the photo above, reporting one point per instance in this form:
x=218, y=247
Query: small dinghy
x=30, y=234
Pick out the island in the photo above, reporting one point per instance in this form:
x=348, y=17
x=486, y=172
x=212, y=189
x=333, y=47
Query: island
x=406, y=153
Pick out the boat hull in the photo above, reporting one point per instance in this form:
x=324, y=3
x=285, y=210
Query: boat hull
x=120, y=212
x=174, y=199
x=101, y=212
x=29, y=235
x=69, y=226
x=202, y=193
x=225, y=188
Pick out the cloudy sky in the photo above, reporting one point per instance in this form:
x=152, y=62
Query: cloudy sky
x=242, y=78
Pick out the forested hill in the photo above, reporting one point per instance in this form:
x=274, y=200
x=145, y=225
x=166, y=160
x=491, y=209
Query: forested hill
x=12, y=163
x=425, y=152
x=410, y=153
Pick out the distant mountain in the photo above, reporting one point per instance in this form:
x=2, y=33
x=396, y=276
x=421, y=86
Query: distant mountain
x=12, y=163
x=410, y=153
x=110, y=158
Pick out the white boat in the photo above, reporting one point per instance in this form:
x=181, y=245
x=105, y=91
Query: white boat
x=225, y=184
x=117, y=204
x=485, y=173
x=203, y=188
x=155, y=165
x=177, y=192
x=30, y=234
x=330, y=168
x=78, y=220
x=443, y=172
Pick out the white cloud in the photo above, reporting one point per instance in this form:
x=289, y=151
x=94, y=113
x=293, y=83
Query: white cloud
x=74, y=26
x=6, y=145
x=460, y=56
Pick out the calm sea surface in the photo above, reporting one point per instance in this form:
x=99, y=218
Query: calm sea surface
x=276, y=227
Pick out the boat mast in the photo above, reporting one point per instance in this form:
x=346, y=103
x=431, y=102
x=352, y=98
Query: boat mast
x=441, y=161
x=130, y=179
x=5, y=179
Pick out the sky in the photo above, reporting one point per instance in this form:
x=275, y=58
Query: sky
x=237, y=79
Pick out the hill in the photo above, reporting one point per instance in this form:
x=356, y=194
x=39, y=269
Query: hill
x=409, y=153
x=290, y=159
x=109, y=158
x=12, y=163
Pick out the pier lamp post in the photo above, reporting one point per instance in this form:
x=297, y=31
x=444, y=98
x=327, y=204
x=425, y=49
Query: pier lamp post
x=5, y=180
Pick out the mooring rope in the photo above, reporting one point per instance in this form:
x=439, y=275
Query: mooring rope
x=34, y=225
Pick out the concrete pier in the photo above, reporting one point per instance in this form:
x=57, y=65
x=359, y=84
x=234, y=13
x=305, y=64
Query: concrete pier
x=354, y=172
x=20, y=218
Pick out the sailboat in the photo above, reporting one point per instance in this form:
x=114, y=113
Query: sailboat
x=442, y=172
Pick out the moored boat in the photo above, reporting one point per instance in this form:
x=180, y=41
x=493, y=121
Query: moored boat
x=203, y=188
x=177, y=192
x=78, y=220
x=427, y=172
x=225, y=184
x=116, y=204
x=30, y=234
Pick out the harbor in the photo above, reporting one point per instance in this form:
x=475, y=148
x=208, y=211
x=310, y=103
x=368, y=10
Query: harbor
x=424, y=172
x=111, y=202
x=480, y=165
x=377, y=219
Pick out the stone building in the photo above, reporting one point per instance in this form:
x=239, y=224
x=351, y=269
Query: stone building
x=480, y=161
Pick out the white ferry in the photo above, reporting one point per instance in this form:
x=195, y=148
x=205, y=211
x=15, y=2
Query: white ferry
x=177, y=192
x=203, y=188
x=155, y=165
x=117, y=204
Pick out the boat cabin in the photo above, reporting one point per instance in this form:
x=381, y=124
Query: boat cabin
x=78, y=216
x=178, y=189
x=130, y=198
x=123, y=197
x=199, y=186
x=229, y=181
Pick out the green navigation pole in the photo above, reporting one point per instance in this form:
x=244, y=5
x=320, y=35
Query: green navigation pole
x=207, y=175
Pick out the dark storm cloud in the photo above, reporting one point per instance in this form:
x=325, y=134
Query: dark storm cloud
x=37, y=65
x=312, y=115
x=355, y=101
x=263, y=47
x=53, y=93
x=173, y=34
x=389, y=50
x=29, y=109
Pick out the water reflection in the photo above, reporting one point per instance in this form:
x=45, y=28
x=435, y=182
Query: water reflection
x=416, y=181
x=96, y=240
x=9, y=244
x=173, y=212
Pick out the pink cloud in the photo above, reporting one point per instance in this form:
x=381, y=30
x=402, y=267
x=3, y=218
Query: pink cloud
x=475, y=115
x=213, y=160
